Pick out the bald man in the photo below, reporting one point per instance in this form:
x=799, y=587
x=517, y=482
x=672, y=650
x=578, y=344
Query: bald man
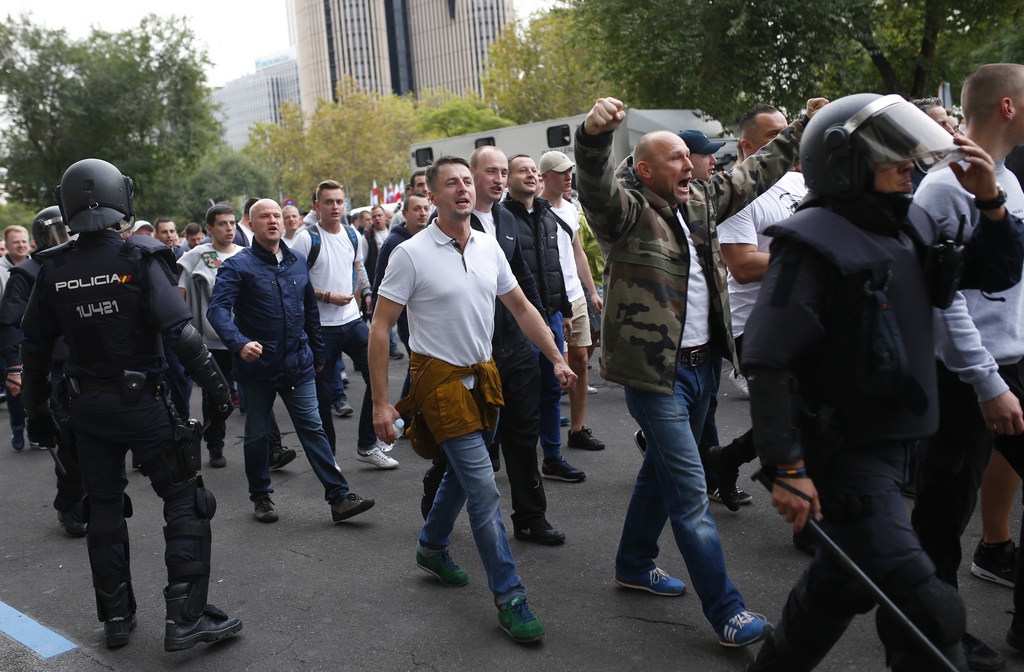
x=278, y=301
x=666, y=314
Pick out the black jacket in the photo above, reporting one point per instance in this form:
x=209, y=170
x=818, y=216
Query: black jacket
x=810, y=317
x=507, y=333
x=538, y=236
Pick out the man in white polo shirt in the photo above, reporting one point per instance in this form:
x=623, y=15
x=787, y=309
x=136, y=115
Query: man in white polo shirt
x=333, y=259
x=447, y=279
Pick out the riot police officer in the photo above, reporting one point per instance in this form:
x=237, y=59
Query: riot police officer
x=115, y=303
x=48, y=230
x=838, y=353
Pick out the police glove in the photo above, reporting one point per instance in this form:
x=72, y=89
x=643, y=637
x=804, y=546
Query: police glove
x=44, y=430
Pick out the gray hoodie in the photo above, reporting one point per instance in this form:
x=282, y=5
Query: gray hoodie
x=979, y=331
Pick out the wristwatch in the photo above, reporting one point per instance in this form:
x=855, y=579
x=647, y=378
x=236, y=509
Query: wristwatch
x=994, y=203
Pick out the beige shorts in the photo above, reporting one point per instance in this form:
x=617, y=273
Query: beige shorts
x=580, y=337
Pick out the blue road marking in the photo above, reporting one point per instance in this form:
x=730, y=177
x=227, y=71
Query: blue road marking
x=39, y=638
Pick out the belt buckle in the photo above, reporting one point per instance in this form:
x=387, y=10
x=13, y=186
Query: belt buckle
x=697, y=357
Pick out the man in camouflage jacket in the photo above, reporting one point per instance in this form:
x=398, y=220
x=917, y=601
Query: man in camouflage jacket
x=659, y=227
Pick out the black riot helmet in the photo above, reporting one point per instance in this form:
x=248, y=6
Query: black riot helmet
x=846, y=137
x=93, y=195
x=48, y=228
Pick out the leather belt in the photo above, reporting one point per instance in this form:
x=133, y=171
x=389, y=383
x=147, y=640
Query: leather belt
x=694, y=356
x=151, y=387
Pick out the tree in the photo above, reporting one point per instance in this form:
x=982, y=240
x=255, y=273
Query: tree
x=362, y=137
x=458, y=116
x=546, y=69
x=224, y=175
x=137, y=98
x=721, y=56
x=16, y=213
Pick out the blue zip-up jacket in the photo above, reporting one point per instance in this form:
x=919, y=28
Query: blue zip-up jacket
x=273, y=304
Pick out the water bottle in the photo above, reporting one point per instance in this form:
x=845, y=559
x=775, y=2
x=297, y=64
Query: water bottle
x=399, y=427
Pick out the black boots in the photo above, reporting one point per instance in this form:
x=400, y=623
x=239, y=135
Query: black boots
x=73, y=520
x=212, y=624
x=117, y=611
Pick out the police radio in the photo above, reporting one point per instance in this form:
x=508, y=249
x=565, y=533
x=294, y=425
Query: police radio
x=943, y=266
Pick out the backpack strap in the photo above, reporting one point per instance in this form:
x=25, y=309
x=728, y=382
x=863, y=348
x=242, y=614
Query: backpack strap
x=562, y=223
x=316, y=243
x=314, y=246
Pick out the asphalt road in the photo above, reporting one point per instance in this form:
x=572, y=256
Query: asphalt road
x=317, y=596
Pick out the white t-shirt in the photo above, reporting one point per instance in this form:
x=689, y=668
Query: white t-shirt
x=747, y=227
x=697, y=330
x=450, y=308
x=487, y=221
x=332, y=272
x=381, y=236
x=566, y=259
x=199, y=267
x=247, y=231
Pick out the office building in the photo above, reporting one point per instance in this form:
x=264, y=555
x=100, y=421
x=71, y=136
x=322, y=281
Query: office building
x=395, y=46
x=258, y=96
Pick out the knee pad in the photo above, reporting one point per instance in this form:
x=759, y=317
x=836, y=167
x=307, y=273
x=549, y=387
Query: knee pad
x=206, y=502
x=190, y=509
x=934, y=607
x=126, y=507
x=836, y=591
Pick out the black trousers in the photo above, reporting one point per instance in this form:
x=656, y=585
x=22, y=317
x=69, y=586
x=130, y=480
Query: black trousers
x=105, y=429
x=951, y=467
x=70, y=490
x=518, y=431
x=864, y=514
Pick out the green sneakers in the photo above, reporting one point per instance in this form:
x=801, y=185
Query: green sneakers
x=519, y=622
x=443, y=567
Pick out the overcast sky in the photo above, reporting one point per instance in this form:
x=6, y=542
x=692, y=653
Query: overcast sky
x=235, y=33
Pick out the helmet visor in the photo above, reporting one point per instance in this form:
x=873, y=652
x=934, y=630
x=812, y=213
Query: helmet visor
x=54, y=233
x=891, y=130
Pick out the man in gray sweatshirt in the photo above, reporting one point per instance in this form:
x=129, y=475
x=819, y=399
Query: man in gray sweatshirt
x=979, y=344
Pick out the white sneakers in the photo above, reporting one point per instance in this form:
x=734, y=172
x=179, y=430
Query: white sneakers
x=377, y=458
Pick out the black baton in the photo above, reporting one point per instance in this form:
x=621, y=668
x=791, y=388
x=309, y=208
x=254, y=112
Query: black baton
x=847, y=563
x=60, y=467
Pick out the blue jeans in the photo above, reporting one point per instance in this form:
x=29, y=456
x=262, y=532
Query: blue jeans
x=551, y=395
x=469, y=481
x=302, y=408
x=670, y=486
x=351, y=339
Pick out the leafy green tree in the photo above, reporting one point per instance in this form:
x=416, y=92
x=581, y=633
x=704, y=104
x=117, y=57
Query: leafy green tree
x=362, y=137
x=458, y=116
x=545, y=69
x=136, y=98
x=15, y=212
x=721, y=56
x=226, y=175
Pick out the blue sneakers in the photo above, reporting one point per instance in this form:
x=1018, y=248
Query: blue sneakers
x=656, y=581
x=743, y=629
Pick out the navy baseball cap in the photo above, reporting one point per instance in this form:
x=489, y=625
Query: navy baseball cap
x=698, y=143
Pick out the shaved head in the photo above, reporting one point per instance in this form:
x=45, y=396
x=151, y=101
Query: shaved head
x=262, y=204
x=650, y=144
x=480, y=152
x=989, y=84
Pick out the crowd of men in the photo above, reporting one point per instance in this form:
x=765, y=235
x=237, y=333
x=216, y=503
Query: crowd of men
x=816, y=267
